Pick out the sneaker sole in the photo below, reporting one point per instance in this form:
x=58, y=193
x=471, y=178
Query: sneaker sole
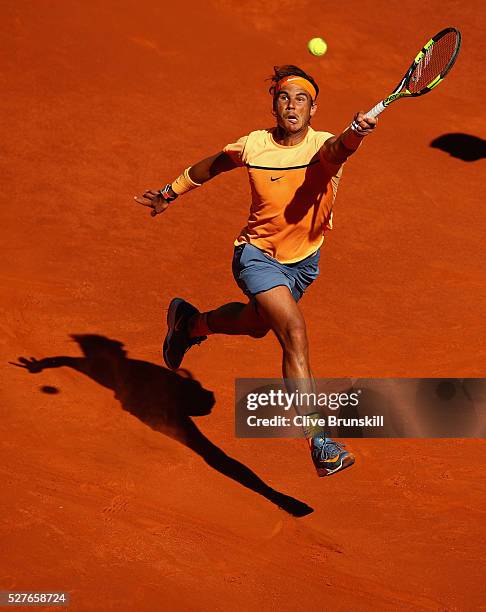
x=171, y=313
x=348, y=461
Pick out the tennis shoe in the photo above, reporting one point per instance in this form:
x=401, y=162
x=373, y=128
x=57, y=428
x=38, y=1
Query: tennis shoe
x=177, y=341
x=329, y=456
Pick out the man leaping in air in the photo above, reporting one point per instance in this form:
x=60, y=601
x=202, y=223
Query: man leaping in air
x=294, y=172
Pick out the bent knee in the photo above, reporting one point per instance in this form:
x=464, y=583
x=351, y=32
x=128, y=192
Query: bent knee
x=294, y=335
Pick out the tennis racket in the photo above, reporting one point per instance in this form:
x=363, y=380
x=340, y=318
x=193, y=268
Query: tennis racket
x=428, y=69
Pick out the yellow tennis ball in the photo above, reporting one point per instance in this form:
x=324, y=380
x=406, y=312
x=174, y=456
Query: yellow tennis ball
x=317, y=46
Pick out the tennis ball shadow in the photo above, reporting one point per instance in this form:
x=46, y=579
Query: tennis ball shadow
x=445, y=409
x=49, y=390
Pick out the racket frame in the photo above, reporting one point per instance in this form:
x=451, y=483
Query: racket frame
x=398, y=93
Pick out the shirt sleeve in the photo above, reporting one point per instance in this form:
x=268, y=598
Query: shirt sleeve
x=235, y=150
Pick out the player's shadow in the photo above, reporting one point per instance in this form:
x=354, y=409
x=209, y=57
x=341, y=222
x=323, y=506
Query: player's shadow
x=463, y=146
x=308, y=196
x=165, y=401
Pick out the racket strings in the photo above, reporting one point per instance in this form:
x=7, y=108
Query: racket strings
x=434, y=62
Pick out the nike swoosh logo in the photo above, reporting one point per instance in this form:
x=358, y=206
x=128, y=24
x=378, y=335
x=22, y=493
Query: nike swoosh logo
x=275, y=179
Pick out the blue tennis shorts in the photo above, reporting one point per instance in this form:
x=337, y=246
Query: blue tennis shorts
x=255, y=271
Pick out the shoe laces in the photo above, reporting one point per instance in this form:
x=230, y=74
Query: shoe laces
x=327, y=448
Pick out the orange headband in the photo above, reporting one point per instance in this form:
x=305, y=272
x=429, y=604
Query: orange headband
x=297, y=80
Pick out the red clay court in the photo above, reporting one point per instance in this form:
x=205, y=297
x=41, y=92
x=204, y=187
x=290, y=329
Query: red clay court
x=129, y=511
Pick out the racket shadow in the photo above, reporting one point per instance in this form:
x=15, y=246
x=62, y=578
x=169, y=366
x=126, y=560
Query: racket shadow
x=163, y=400
x=462, y=146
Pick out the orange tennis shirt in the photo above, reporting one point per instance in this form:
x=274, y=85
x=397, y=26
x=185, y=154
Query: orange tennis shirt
x=292, y=193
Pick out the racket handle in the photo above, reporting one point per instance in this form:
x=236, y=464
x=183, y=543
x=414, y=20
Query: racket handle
x=374, y=112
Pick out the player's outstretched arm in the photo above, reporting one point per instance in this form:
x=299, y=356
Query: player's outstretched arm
x=337, y=149
x=192, y=177
x=34, y=366
x=210, y=167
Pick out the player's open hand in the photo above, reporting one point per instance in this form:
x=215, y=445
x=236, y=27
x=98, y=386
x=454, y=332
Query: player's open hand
x=154, y=200
x=32, y=365
x=362, y=125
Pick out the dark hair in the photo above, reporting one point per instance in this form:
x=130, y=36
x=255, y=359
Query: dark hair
x=280, y=72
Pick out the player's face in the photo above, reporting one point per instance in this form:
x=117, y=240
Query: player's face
x=293, y=108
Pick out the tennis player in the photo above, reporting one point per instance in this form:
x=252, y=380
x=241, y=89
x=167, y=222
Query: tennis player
x=294, y=173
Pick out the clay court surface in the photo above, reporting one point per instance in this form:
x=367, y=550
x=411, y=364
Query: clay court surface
x=117, y=485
